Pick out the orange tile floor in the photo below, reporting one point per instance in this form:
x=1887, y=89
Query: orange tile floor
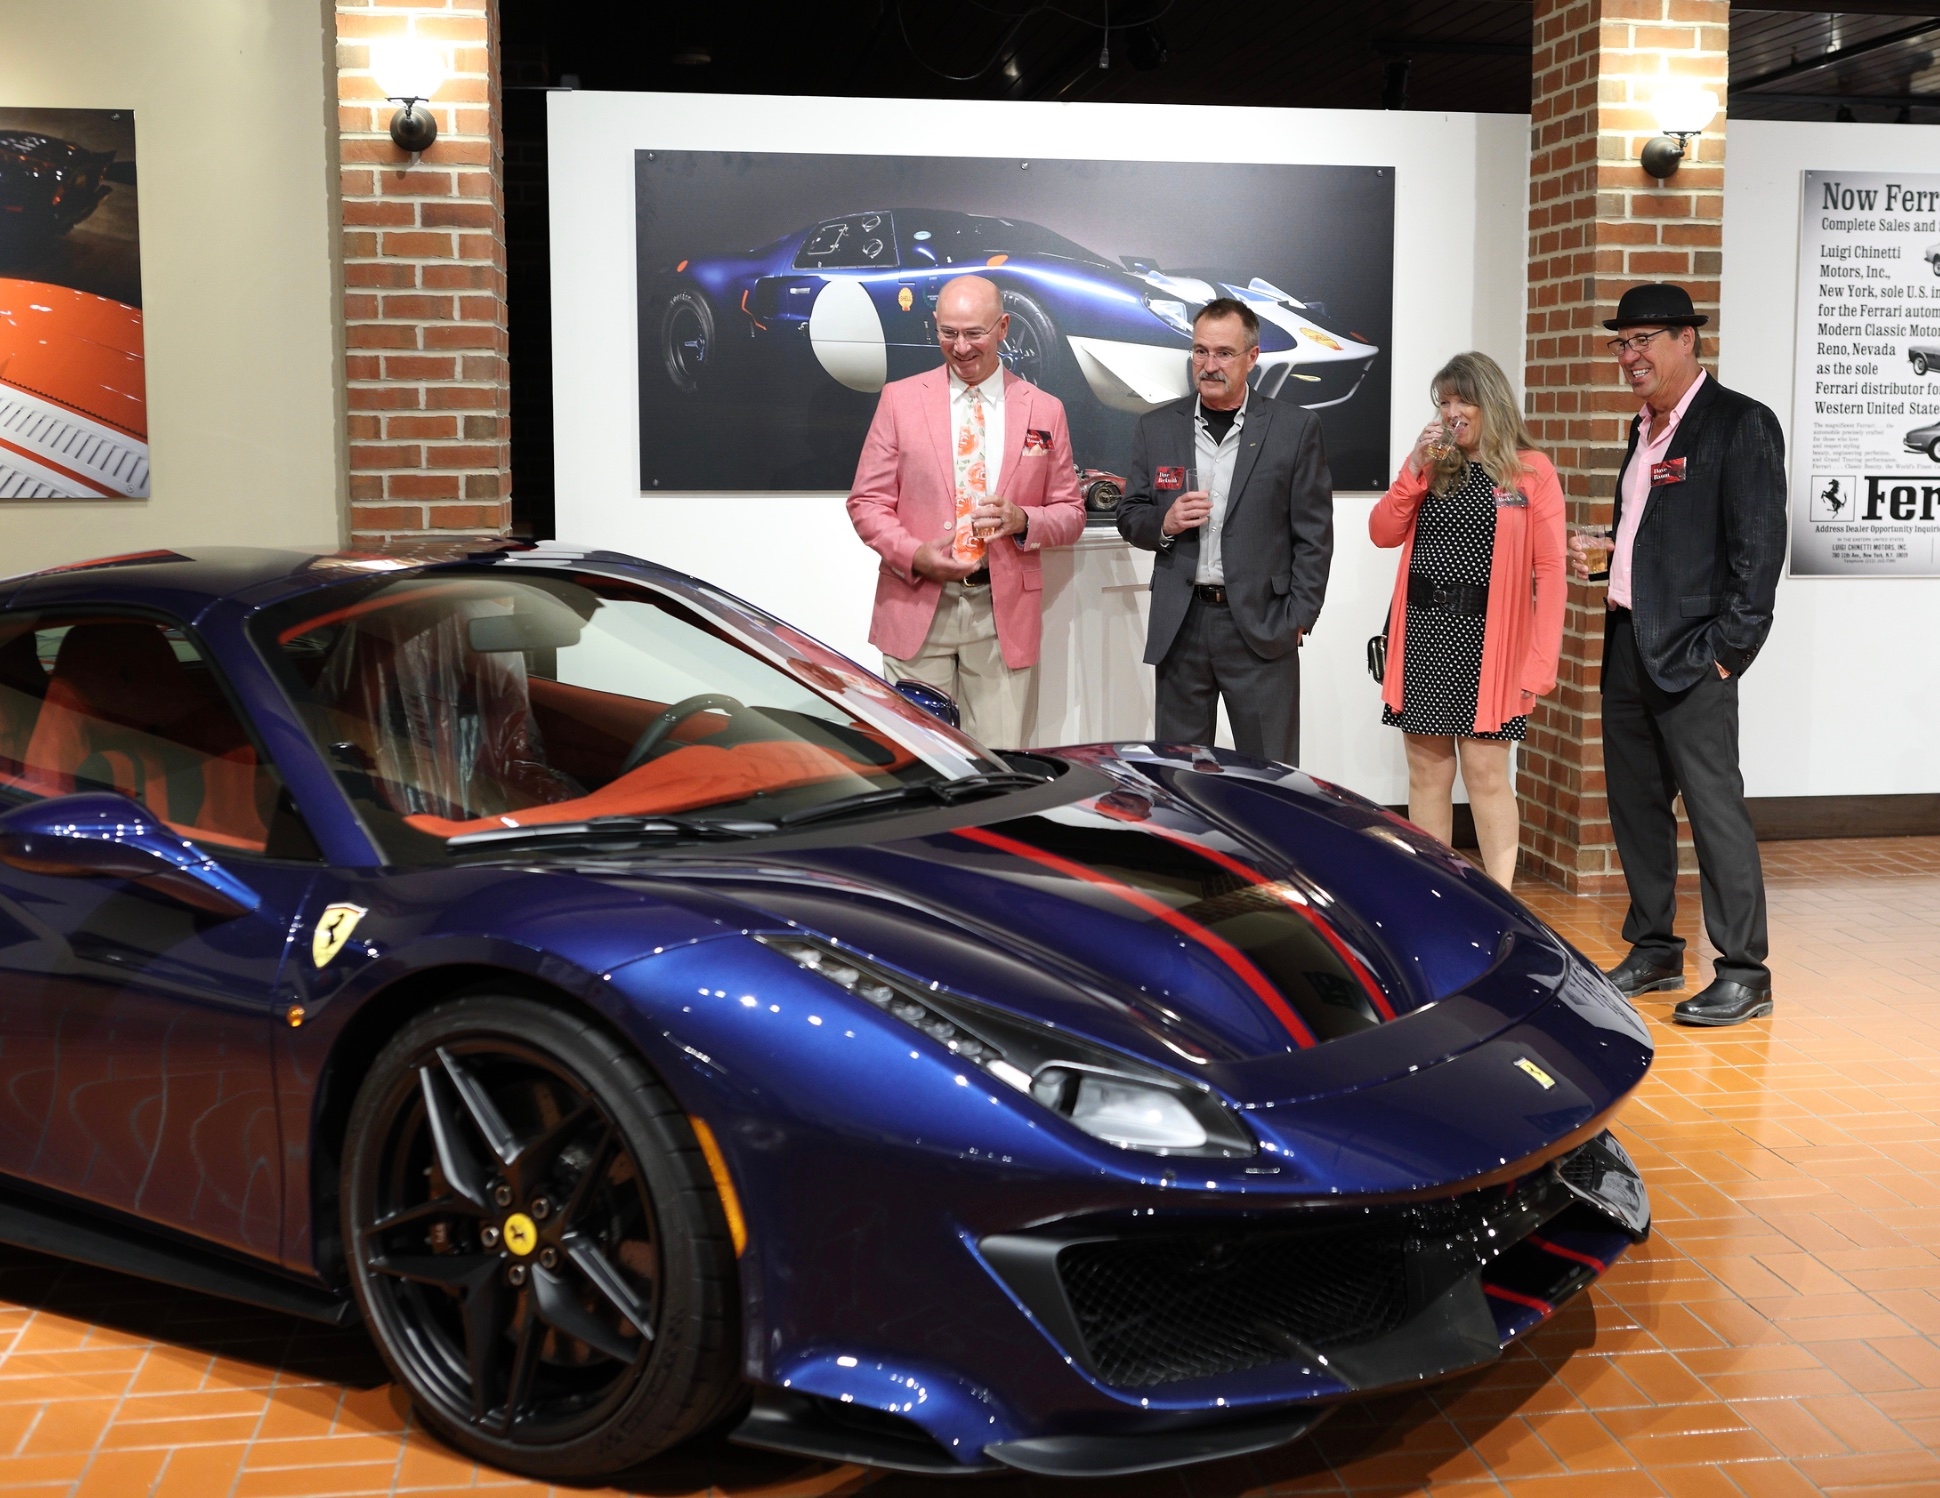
x=1778, y=1335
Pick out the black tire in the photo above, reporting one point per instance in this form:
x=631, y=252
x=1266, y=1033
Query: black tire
x=1919, y=364
x=1032, y=349
x=1933, y=449
x=691, y=350
x=555, y=1137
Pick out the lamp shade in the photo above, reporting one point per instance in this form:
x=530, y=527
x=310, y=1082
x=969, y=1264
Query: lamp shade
x=408, y=67
x=1684, y=110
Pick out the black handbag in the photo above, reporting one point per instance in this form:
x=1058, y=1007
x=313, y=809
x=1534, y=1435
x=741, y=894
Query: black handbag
x=1377, y=655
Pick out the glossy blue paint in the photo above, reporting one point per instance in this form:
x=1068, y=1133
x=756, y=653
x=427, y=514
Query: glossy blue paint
x=147, y=1064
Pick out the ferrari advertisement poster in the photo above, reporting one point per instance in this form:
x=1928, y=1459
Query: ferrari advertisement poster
x=1866, y=392
x=778, y=293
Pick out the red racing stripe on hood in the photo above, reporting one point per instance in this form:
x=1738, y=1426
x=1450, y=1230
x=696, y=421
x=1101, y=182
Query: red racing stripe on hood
x=1376, y=994
x=1224, y=950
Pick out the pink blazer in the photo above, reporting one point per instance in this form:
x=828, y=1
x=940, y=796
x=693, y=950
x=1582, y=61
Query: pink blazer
x=905, y=493
x=1522, y=633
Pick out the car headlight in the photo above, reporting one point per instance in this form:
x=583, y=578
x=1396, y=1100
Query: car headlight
x=1109, y=1096
x=1170, y=311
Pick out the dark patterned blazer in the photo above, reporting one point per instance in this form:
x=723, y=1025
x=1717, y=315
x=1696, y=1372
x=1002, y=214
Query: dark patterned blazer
x=1704, y=569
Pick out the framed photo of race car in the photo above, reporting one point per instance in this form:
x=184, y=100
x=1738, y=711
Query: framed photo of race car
x=778, y=293
x=73, y=387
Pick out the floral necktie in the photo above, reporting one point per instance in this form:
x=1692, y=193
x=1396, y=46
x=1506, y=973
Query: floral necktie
x=972, y=478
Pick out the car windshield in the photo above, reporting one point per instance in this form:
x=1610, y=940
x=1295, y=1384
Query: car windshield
x=454, y=704
x=942, y=238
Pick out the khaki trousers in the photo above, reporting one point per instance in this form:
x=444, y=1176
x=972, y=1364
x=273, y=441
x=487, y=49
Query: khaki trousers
x=960, y=655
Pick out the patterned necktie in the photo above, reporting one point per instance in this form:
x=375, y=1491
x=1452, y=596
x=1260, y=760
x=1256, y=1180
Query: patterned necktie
x=972, y=477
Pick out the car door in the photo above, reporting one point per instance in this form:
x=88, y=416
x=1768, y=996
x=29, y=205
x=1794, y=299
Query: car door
x=135, y=1058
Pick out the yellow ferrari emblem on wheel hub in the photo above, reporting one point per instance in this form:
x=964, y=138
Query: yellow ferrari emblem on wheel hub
x=521, y=1234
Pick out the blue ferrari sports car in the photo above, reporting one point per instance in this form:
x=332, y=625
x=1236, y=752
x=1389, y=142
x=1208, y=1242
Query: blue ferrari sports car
x=856, y=296
x=646, y=1021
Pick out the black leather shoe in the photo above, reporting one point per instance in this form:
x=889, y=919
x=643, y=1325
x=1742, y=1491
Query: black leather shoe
x=1638, y=974
x=1725, y=1003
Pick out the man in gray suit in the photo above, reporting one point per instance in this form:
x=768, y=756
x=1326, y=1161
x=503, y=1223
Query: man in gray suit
x=1242, y=559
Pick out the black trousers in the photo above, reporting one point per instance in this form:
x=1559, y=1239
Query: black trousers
x=1207, y=661
x=1657, y=744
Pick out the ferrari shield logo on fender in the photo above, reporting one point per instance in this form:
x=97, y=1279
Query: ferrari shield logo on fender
x=1543, y=1079
x=333, y=930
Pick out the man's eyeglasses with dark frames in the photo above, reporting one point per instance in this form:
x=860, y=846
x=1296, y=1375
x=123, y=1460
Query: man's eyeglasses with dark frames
x=1635, y=342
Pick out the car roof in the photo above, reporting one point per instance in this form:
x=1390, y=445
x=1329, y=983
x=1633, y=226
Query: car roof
x=187, y=581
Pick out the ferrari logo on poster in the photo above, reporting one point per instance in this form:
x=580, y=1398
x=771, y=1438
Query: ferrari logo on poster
x=333, y=930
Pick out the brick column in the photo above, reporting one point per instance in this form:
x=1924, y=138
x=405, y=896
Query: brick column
x=424, y=282
x=1599, y=224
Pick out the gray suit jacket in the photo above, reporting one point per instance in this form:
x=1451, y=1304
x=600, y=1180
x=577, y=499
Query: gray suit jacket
x=1278, y=537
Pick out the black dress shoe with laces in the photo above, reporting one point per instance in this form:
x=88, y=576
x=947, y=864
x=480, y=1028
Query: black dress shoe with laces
x=1725, y=1003
x=1638, y=974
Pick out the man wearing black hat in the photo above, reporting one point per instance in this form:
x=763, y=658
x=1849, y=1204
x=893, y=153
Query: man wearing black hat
x=1700, y=538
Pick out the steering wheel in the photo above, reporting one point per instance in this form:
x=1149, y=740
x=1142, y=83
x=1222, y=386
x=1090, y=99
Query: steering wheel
x=672, y=718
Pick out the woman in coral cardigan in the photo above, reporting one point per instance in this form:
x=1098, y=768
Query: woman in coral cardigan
x=1477, y=619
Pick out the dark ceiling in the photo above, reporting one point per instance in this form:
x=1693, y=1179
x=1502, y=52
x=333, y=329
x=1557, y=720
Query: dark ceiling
x=1787, y=60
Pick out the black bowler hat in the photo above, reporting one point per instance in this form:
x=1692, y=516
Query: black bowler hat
x=1656, y=303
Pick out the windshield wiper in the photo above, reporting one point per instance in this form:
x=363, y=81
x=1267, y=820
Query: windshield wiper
x=599, y=829
x=946, y=792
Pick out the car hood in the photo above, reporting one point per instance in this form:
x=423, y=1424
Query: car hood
x=1255, y=928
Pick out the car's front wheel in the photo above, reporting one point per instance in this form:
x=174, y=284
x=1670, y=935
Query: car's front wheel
x=535, y=1241
x=1031, y=347
x=1920, y=364
x=1933, y=449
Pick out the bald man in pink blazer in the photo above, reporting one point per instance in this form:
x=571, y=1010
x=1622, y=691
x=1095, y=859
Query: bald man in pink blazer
x=971, y=628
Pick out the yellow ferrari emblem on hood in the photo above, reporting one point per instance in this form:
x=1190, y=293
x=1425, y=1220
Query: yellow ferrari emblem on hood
x=1542, y=1078
x=333, y=930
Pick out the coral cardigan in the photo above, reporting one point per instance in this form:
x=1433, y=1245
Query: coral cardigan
x=1523, y=629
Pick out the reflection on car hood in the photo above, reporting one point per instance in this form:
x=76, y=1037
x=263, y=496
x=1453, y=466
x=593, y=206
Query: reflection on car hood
x=1282, y=943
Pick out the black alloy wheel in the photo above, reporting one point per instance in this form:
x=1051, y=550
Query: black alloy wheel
x=690, y=349
x=536, y=1243
x=1030, y=350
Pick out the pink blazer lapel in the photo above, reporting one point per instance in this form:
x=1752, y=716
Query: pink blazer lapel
x=1017, y=415
x=935, y=397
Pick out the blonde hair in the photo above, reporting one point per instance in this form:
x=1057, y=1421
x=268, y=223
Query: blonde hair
x=1478, y=380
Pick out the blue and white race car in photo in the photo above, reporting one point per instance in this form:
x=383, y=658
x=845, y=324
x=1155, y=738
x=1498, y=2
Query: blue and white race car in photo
x=855, y=295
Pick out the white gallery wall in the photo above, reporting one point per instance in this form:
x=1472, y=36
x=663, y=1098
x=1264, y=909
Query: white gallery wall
x=1845, y=698
x=1460, y=188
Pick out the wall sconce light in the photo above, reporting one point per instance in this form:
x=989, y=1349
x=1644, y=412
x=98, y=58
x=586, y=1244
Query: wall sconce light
x=410, y=71
x=1682, y=112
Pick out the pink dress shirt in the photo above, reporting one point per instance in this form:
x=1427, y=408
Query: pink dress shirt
x=1636, y=493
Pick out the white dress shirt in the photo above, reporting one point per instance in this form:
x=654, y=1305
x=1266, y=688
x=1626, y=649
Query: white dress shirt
x=991, y=392
x=1214, y=461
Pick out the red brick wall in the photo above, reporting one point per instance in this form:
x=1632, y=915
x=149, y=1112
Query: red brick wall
x=1599, y=224
x=424, y=282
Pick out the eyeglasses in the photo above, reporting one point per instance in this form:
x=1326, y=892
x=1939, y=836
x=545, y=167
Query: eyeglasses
x=968, y=335
x=1217, y=356
x=1635, y=342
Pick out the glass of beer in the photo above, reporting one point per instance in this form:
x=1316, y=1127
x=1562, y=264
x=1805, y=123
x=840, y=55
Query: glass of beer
x=1595, y=543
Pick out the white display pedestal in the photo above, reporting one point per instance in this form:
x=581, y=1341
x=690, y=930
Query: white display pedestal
x=1092, y=682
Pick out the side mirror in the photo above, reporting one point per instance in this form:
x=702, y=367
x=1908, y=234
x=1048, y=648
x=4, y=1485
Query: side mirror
x=101, y=834
x=932, y=700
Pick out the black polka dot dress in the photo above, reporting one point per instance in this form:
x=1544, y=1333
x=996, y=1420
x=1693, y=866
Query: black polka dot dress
x=1441, y=656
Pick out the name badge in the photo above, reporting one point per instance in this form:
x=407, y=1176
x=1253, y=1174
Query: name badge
x=1510, y=499
x=1169, y=478
x=1671, y=472
x=1036, y=441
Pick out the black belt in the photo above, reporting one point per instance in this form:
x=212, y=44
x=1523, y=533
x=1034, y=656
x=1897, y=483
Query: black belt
x=1210, y=593
x=1450, y=598
x=978, y=579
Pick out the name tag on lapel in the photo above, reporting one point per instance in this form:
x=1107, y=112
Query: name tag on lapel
x=1669, y=472
x=1510, y=499
x=1036, y=442
x=1169, y=478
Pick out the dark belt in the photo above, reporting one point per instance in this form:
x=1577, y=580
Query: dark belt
x=1210, y=593
x=1450, y=598
x=978, y=579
